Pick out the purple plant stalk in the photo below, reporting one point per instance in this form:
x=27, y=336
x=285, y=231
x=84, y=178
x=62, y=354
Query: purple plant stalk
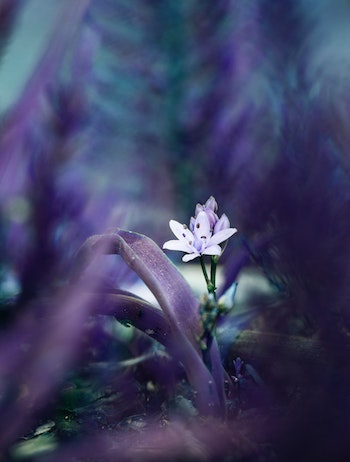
x=179, y=306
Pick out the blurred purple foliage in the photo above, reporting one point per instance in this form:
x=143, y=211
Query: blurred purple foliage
x=135, y=112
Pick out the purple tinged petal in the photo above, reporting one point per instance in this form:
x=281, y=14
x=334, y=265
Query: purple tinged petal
x=212, y=250
x=192, y=223
x=178, y=229
x=213, y=218
x=182, y=245
x=190, y=256
x=199, y=208
x=210, y=208
x=222, y=236
x=223, y=223
x=202, y=226
x=211, y=204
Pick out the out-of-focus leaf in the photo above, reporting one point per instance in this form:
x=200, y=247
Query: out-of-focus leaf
x=34, y=447
x=32, y=374
x=8, y=12
x=18, y=119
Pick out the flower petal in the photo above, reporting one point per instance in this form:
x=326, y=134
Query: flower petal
x=212, y=250
x=192, y=222
x=202, y=226
x=199, y=208
x=190, y=256
x=222, y=223
x=211, y=204
x=181, y=231
x=182, y=246
x=222, y=236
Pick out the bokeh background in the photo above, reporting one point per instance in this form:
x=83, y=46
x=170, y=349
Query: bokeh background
x=118, y=113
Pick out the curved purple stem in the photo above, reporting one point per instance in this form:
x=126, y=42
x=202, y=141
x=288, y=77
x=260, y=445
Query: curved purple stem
x=125, y=307
x=178, y=303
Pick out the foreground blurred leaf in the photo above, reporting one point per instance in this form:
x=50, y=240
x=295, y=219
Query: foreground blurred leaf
x=8, y=15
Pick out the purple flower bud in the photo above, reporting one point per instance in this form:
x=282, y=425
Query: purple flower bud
x=213, y=218
x=238, y=363
x=192, y=223
x=222, y=223
x=211, y=204
x=210, y=207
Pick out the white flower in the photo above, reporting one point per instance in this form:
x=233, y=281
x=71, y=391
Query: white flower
x=202, y=240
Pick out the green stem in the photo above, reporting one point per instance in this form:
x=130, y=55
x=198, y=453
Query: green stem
x=213, y=266
x=209, y=330
x=204, y=269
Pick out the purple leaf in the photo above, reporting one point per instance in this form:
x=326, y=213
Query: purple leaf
x=141, y=314
x=143, y=256
x=173, y=293
x=218, y=371
x=174, y=296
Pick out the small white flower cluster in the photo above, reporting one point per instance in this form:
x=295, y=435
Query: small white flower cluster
x=205, y=233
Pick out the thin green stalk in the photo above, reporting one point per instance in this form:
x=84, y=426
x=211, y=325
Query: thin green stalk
x=204, y=269
x=213, y=267
x=209, y=331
